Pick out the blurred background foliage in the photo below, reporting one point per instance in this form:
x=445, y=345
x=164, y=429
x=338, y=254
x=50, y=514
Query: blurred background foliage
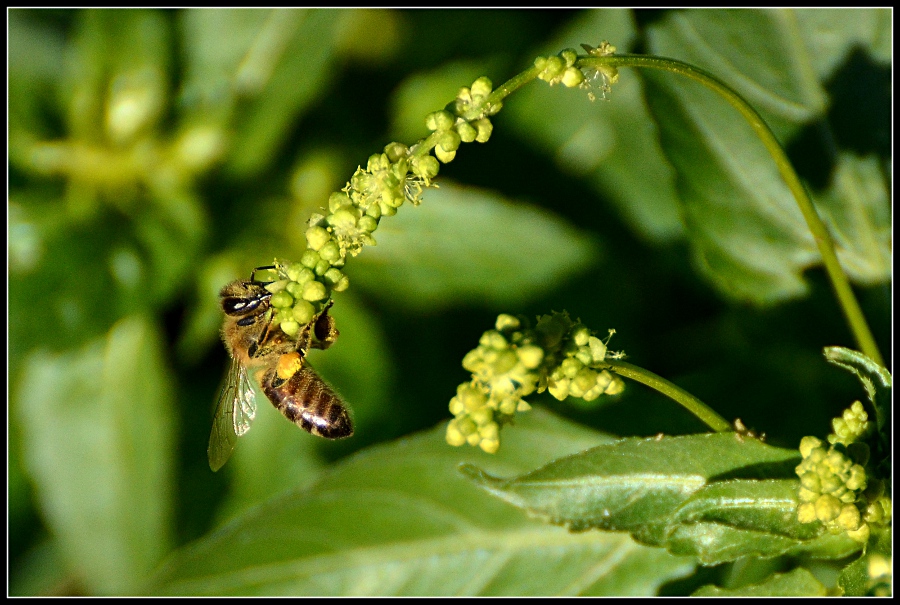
x=155, y=155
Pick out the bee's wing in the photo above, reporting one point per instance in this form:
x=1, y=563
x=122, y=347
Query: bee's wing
x=235, y=410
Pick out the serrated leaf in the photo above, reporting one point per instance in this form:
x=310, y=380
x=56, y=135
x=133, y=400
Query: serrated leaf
x=746, y=231
x=797, y=583
x=612, y=144
x=469, y=245
x=637, y=485
x=98, y=443
x=399, y=519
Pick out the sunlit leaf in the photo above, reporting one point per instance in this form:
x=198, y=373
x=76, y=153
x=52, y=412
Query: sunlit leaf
x=98, y=437
x=464, y=244
x=399, y=519
x=710, y=495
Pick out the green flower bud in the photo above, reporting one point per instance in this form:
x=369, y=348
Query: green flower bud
x=321, y=267
x=454, y=436
x=472, y=361
x=508, y=406
x=290, y=327
x=491, y=431
x=367, y=223
x=342, y=284
x=569, y=55
x=449, y=141
x=456, y=406
x=572, y=77
x=552, y=68
x=310, y=259
x=522, y=406
x=507, y=322
x=377, y=162
x=828, y=508
x=586, y=379
x=466, y=132
x=540, y=62
x=598, y=349
x=473, y=439
x=303, y=312
x=426, y=167
x=467, y=427
x=861, y=535
x=806, y=512
x=439, y=120
x=811, y=481
x=281, y=300
x=330, y=252
x=314, y=291
x=559, y=388
x=808, y=444
x=337, y=200
x=484, y=128
x=584, y=356
x=581, y=335
x=482, y=416
x=571, y=367
x=482, y=87
x=344, y=218
x=531, y=356
x=316, y=237
x=490, y=445
x=396, y=151
x=616, y=386
x=333, y=276
x=444, y=156
x=295, y=290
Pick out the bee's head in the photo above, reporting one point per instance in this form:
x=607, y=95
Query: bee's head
x=245, y=298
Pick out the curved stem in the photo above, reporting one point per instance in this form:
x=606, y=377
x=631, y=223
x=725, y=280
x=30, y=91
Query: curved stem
x=825, y=243
x=670, y=390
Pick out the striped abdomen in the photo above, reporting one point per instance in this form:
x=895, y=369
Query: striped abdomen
x=308, y=402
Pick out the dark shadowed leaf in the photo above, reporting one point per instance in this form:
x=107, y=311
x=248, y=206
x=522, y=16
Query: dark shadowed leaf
x=464, y=244
x=797, y=583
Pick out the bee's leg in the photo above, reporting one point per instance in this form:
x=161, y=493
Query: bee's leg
x=325, y=330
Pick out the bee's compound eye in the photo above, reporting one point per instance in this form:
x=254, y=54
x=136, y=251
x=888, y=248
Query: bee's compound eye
x=238, y=306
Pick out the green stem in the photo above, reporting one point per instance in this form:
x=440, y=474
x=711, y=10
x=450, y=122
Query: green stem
x=825, y=243
x=674, y=392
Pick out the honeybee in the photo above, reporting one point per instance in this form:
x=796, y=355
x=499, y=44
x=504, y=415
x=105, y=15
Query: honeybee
x=294, y=388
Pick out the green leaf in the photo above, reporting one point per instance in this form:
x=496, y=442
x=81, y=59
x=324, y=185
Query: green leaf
x=797, y=583
x=275, y=63
x=832, y=34
x=871, y=573
x=728, y=520
x=612, y=144
x=399, y=519
x=857, y=209
x=467, y=245
x=747, y=234
x=98, y=443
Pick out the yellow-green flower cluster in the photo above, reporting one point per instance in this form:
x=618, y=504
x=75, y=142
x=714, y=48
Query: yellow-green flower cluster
x=835, y=490
x=513, y=361
x=853, y=425
x=560, y=69
x=389, y=179
x=463, y=120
